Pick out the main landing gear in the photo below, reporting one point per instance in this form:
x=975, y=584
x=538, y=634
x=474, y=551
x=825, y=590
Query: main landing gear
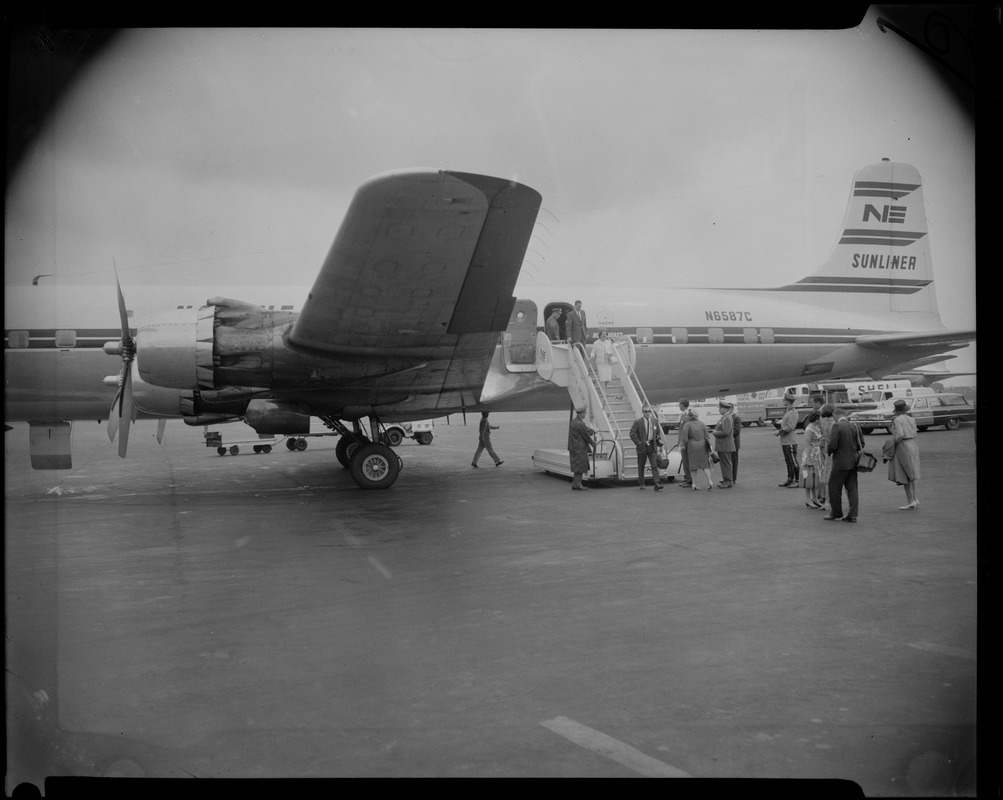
x=372, y=464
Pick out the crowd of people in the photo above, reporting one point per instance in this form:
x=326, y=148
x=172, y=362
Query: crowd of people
x=826, y=469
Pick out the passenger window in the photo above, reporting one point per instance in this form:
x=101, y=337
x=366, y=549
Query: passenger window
x=66, y=338
x=17, y=339
x=679, y=336
x=715, y=335
x=645, y=336
x=766, y=335
x=750, y=335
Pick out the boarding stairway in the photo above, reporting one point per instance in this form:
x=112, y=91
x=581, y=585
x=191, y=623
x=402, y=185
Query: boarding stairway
x=610, y=411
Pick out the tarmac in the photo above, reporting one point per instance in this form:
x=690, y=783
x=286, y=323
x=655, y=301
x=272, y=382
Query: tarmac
x=180, y=614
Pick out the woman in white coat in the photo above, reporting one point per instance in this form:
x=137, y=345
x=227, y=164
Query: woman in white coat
x=602, y=357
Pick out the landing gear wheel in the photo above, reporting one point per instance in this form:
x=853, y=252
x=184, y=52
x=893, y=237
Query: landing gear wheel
x=424, y=438
x=221, y=451
x=234, y=450
x=374, y=466
x=345, y=449
x=301, y=444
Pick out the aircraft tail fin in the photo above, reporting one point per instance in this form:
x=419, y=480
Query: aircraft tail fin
x=881, y=261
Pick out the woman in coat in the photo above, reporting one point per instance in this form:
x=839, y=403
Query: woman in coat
x=697, y=445
x=903, y=468
x=602, y=356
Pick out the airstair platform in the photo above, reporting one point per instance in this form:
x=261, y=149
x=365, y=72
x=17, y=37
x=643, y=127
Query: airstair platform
x=610, y=409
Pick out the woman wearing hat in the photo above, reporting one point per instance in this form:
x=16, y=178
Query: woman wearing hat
x=903, y=468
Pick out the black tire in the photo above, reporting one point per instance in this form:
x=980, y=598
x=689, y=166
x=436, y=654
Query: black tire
x=301, y=444
x=221, y=451
x=866, y=431
x=394, y=437
x=924, y=427
x=345, y=449
x=266, y=448
x=374, y=466
x=952, y=424
x=256, y=448
x=291, y=444
x=234, y=450
x=424, y=438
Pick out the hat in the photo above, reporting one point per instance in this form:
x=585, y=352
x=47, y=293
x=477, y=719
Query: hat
x=725, y=404
x=790, y=396
x=901, y=405
x=580, y=410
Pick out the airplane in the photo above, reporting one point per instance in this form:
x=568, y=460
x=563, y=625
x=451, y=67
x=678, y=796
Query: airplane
x=412, y=316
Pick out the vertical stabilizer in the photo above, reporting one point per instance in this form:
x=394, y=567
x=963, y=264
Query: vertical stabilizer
x=881, y=261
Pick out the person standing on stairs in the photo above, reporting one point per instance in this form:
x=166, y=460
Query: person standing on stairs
x=578, y=329
x=602, y=357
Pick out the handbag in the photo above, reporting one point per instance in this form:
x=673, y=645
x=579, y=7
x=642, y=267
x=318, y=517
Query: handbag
x=662, y=458
x=714, y=457
x=866, y=462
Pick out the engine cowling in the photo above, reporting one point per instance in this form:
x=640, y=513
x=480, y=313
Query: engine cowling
x=222, y=344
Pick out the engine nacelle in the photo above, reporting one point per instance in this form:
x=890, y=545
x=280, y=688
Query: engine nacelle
x=224, y=343
x=166, y=349
x=277, y=417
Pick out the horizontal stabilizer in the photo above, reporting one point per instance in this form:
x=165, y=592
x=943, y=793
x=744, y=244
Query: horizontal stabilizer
x=919, y=339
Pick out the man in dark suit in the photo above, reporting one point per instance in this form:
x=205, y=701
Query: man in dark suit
x=578, y=330
x=845, y=442
x=646, y=434
x=738, y=446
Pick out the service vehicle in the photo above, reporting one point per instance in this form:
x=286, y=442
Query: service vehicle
x=928, y=409
x=851, y=396
x=397, y=432
x=706, y=409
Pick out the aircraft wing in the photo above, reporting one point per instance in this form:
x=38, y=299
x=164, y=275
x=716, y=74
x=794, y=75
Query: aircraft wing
x=950, y=339
x=418, y=284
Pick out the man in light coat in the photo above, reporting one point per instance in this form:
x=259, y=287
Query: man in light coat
x=724, y=443
x=789, y=441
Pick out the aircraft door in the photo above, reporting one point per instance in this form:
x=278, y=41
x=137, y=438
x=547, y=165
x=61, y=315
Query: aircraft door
x=562, y=318
x=520, y=336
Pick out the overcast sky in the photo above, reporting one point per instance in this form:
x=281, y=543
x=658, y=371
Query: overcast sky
x=683, y=158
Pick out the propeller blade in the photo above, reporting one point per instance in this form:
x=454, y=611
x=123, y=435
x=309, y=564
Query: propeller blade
x=125, y=412
x=161, y=425
x=122, y=312
x=113, y=416
x=126, y=409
